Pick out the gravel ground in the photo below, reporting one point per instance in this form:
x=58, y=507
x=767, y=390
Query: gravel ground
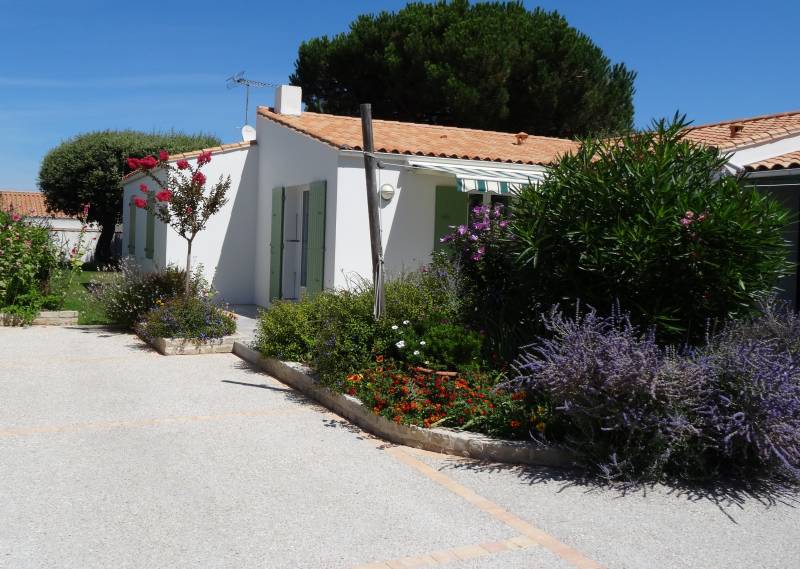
x=114, y=456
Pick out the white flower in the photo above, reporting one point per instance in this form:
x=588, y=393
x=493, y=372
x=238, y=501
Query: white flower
x=401, y=344
x=416, y=352
x=422, y=342
x=394, y=327
x=406, y=322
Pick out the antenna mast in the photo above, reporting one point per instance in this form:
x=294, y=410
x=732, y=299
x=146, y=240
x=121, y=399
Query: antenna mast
x=239, y=79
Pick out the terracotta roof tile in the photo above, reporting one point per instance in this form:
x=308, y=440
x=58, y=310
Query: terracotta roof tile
x=28, y=203
x=426, y=140
x=753, y=130
x=788, y=160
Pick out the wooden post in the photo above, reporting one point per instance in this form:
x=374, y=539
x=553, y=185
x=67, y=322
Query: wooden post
x=372, y=208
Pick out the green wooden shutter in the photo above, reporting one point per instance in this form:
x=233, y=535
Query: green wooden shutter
x=150, y=235
x=131, y=227
x=316, y=238
x=452, y=209
x=276, y=245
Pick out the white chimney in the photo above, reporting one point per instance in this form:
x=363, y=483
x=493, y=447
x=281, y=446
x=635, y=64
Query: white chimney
x=289, y=100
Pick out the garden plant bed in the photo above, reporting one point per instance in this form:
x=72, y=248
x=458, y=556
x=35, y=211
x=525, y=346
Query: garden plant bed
x=187, y=347
x=45, y=318
x=443, y=440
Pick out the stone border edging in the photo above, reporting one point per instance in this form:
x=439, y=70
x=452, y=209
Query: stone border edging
x=447, y=441
x=186, y=347
x=44, y=318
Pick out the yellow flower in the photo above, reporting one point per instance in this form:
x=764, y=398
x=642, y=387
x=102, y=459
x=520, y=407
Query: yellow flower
x=540, y=426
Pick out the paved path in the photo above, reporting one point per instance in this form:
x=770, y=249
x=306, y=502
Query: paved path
x=112, y=456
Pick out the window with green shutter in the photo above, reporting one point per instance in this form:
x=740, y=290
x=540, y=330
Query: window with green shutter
x=150, y=234
x=315, y=255
x=131, y=227
x=451, y=209
x=276, y=244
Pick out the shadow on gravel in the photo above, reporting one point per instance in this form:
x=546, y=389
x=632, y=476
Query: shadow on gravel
x=725, y=495
x=289, y=393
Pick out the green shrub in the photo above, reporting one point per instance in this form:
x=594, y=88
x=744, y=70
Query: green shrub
x=335, y=332
x=28, y=257
x=286, y=330
x=436, y=345
x=649, y=221
x=194, y=317
x=132, y=292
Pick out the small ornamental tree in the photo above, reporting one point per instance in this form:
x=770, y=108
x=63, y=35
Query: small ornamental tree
x=181, y=199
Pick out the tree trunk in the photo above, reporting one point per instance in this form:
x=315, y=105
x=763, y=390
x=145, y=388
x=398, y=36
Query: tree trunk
x=188, y=267
x=102, y=252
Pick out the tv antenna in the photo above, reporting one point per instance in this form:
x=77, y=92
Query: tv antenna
x=239, y=79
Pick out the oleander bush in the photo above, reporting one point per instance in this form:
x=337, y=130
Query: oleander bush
x=647, y=220
x=194, y=318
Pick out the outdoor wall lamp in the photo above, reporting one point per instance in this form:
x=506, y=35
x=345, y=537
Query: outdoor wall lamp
x=387, y=192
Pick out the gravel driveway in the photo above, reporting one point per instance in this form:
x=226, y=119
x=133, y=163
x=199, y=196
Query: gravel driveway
x=116, y=457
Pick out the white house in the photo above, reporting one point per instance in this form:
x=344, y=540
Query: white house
x=296, y=221
x=65, y=230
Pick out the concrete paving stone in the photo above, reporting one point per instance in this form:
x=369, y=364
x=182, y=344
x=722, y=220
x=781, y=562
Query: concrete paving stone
x=651, y=528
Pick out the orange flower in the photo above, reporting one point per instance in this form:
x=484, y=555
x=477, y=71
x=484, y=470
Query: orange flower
x=518, y=396
x=540, y=426
x=354, y=378
x=379, y=359
x=515, y=424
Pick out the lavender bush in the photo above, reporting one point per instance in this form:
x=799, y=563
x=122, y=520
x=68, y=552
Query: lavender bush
x=635, y=409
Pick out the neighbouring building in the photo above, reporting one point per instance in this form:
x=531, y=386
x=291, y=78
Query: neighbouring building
x=64, y=229
x=296, y=220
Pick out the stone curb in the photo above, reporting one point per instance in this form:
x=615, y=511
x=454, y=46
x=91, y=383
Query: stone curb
x=185, y=347
x=447, y=441
x=45, y=318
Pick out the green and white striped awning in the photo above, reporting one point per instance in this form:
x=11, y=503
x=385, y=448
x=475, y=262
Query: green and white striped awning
x=484, y=178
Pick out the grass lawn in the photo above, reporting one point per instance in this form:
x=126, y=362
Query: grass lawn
x=79, y=298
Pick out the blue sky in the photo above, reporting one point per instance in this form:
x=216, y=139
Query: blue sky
x=69, y=67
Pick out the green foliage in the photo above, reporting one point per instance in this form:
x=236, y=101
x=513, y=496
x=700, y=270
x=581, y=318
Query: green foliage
x=434, y=344
x=489, y=65
x=191, y=317
x=286, y=330
x=647, y=220
x=129, y=294
x=335, y=331
x=28, y=257
x=88, y=169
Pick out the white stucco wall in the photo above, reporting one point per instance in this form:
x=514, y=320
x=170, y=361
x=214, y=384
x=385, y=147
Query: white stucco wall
x=407, y=221
x=289, y=158
x=226, y=247
x=66, y=234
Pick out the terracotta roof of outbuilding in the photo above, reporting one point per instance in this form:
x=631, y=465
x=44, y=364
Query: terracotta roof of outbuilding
x=788, y=160
x=427, y=140
x=196, y=153
x=28, y=203
x=733, y=134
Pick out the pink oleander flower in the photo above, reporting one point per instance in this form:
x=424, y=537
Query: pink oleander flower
x=199, y=178
x=15, y=217
x=163, y=155
x=143, y=188
x=141, y=203
x=182, y=164
x=686, y=222
x=689, y=215
x=503, y=224
x=462, y=230
x=133, y=163
x=701, y=217
x=204, y=158
x=164, y=195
